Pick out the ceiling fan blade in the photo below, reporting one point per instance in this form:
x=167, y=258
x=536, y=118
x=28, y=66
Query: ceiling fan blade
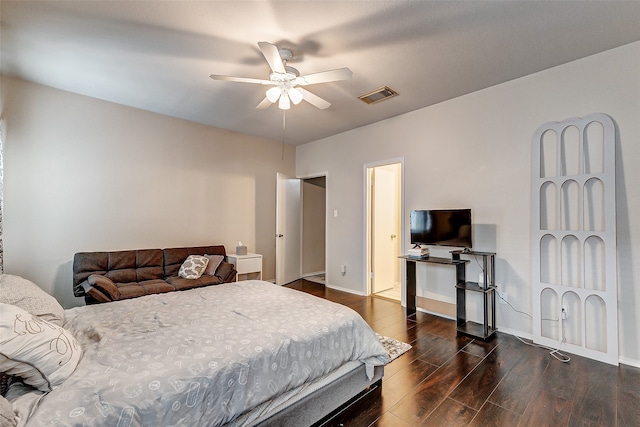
x=314, y=99
x=240, y=79
x=272, y=55
x=264, y=104
x=325, y=76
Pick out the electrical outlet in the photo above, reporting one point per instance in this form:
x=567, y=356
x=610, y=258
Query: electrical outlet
x=565, y=312
x=503, y=297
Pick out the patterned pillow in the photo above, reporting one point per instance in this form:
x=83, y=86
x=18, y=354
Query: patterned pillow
x=25, y=294
x=214, y=262
x=193, y=267
x=41, y=353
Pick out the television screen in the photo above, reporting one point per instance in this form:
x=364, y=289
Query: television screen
x=441, y=227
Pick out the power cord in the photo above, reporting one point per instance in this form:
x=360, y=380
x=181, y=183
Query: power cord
x=554, y=352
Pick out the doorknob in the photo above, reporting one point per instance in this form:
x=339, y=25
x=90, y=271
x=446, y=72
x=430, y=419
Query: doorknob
x=393, y=236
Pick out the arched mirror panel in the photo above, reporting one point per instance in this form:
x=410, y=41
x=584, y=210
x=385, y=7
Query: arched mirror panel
x=548, y=206
x=593, y=210
x=594, y=264
x=594, y=148
x=595, y=311
x=570, y=151
x=549, y=314
x=548, y=154
x=572, y=325
x=571, y=261
x=549, y=260
x=570, y=206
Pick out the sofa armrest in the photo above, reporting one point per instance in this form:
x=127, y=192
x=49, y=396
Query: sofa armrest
x=225, y=272
x=104, y=285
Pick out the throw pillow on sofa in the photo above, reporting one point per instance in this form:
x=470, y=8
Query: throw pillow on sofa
x=193, y=267
x=214, y=262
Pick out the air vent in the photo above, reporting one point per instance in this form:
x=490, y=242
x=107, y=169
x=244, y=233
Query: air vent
x=378, y=95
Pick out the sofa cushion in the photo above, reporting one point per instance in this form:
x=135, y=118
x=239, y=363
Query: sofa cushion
x=130, y=290
x=156, y=286
x=182, y=284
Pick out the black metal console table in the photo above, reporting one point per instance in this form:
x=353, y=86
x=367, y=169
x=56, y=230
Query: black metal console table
x=482, y=331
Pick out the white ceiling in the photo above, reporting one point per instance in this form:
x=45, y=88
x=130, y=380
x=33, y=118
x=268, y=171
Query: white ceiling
x=158, y=55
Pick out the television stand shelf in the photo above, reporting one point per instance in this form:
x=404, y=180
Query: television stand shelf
x=487, y=288
x=482, y=331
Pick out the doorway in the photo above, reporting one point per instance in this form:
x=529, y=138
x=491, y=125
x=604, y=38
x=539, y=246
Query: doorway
x=300, y=228
x=314, y=218
x=384, y=229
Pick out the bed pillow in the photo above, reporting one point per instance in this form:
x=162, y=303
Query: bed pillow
x=41, y=353
x=193, y=267
x=214, y=262
x=7, y=415
x=25, y=294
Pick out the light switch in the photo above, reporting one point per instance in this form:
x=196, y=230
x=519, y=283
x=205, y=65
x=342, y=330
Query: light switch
x=335, y=213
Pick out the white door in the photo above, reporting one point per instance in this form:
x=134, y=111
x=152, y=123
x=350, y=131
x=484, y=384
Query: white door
x=288, y=229
x=385, y=218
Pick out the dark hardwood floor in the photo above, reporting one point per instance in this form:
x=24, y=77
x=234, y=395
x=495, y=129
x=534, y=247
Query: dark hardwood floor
x=450, y=380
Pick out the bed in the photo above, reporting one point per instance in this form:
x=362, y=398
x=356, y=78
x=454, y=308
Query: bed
x=238, y=354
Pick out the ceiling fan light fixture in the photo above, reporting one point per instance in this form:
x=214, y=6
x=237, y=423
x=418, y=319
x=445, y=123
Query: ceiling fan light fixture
x=284, y=103
x=296, y=95
x=273, y=94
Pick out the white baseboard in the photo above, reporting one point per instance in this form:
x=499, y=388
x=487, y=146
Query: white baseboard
x=629, y=362
x=350, y=291
x=315, y=273
x=435, y=313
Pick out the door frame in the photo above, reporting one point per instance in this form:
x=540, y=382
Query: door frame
x=367, y=221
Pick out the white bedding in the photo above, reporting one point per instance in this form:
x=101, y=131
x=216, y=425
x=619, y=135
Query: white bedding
x=198, y=357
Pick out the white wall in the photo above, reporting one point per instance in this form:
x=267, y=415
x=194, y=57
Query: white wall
x=86, y=175
x=475, y=151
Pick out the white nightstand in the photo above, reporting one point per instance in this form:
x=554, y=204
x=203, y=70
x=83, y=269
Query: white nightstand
x=249, y=264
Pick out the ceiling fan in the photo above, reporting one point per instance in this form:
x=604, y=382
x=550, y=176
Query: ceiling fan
x=287, y=82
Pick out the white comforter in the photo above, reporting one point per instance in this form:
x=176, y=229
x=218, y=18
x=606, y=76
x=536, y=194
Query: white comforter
x=198, y=357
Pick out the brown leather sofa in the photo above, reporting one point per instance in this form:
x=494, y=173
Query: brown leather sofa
x=111, y=276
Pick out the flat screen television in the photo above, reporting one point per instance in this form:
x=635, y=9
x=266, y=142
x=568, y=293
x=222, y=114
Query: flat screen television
x=450, y=227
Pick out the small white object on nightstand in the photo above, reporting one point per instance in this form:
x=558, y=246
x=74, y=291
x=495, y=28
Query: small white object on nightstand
x=247, y=264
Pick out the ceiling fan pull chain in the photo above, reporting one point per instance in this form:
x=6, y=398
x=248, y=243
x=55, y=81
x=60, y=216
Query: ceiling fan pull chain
x=284, y=116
